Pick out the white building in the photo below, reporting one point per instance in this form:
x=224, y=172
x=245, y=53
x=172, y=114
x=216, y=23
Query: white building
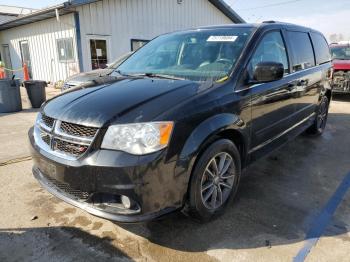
x=80, y=35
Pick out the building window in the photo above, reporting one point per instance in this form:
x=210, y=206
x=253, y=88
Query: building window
x=65, y=49
x=137, y=43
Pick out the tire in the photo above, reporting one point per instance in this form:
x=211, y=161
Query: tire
x=320, y=122
x=225, y=155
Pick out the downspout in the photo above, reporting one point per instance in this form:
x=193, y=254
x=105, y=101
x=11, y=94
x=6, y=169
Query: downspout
x=78, y=37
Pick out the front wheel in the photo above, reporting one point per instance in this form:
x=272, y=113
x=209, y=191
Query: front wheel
x=215, y=180
x=321, y=118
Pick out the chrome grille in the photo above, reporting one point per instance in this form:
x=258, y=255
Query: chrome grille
x=70, y=148
x=78, y=130
x=48, y=121
x=63, y=139
x=45, y=138
x=80, y=195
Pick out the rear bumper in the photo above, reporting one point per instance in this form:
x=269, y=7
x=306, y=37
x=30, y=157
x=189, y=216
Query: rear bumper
x=149, y=181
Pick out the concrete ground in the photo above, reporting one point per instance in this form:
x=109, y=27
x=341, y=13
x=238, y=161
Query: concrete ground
x=280, y=200
x=14, y=128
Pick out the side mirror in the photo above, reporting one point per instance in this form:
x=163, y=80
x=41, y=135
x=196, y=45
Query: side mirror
x=268, y=72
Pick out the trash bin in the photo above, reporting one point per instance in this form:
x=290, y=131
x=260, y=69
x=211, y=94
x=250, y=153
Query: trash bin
x=10, y=96
x=36, y=92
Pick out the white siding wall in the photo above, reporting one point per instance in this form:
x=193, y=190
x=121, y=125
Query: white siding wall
x=118, y=21
x=123, y=20
x=41, y=37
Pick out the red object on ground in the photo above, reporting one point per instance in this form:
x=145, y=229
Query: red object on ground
x=340, y=64
x=2, y=73
x=341, y=67
x=25, y=72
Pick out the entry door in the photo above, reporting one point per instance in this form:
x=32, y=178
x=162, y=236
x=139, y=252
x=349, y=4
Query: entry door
x=272, y=107
x=25, y=56
x=7, y=59
x=98, y=52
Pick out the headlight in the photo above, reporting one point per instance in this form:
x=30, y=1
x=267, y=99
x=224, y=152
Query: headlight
x=138, y=139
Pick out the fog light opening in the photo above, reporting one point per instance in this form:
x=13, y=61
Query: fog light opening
x=107, y=200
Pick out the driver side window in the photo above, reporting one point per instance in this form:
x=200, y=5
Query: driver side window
x=270, y=49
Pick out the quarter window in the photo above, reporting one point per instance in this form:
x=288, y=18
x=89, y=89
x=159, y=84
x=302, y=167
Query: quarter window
x=321, y=48
x=302, y=52
x=271, y=49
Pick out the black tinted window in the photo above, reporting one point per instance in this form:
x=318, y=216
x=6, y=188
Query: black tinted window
x=321, y=48
x=302, y=52
x=271, y=49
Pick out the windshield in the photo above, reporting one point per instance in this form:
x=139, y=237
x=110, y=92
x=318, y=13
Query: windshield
x=195, y=55
x=341, y=52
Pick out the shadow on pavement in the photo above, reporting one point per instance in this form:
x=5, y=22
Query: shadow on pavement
x=56, y=244
x=278, y=201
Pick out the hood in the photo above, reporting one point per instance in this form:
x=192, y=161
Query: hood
x=98, y=105
x=88, y=76
x=341, y=64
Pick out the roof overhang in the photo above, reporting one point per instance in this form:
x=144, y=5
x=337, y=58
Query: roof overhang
x=34, y=17
x=67, y=7
x=227, y=10
x=46, y=13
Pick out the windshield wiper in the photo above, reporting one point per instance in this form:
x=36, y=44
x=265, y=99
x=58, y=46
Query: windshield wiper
x=120, y=73
x=160, y=76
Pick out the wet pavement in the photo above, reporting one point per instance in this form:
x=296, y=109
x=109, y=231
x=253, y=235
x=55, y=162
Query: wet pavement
x=279, y=201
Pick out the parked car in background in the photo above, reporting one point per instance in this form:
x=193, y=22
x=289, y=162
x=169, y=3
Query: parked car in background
x=87, y=78
x=182, y=118
x=341, y=63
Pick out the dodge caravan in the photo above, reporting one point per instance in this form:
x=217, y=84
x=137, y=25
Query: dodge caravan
x=174, y=125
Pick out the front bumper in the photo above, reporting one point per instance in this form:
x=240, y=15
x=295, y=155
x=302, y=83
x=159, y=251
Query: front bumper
x=149, y=181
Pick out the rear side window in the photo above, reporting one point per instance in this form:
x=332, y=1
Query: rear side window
x=321, y=48
x=302, y=52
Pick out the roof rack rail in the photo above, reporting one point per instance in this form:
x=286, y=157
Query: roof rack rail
x=269, y=22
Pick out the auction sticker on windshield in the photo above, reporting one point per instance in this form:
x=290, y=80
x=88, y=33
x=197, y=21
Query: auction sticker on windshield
x=222, y=38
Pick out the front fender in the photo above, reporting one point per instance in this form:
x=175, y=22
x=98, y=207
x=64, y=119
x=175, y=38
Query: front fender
x=201, y=135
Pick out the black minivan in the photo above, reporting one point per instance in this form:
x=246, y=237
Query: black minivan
x=173, y=126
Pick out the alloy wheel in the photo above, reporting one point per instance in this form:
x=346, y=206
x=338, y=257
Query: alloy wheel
x=217, y=180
